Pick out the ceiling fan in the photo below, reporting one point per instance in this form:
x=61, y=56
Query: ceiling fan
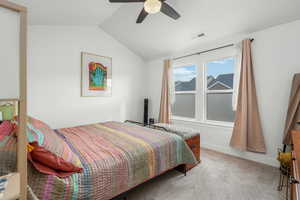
x=151, y=7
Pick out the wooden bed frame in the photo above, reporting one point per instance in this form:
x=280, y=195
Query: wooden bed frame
x=21, y=102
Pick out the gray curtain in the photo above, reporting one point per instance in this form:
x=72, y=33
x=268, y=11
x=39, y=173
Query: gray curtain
x=247, y=132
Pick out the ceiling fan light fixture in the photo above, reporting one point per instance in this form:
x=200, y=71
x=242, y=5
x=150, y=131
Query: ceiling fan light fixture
x=152, y=6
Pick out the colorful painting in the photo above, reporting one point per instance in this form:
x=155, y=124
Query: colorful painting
x=96, y=75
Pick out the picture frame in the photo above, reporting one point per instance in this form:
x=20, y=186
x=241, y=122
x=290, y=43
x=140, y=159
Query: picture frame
x=96, y=75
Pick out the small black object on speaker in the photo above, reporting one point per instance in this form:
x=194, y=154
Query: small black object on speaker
x=146, y=103
x=151, y=121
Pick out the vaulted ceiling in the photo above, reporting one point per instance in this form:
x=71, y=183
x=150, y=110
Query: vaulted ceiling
x=159, y=35
x=68, y=12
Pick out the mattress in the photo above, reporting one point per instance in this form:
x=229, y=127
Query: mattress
x=116, y=157
x=180, y=130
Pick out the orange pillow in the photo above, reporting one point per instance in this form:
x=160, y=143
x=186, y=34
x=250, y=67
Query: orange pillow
x=48, y=163
x=50, y=140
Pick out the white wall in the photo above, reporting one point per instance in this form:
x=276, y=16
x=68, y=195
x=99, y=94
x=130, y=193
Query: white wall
x=9, y=53
x=276, y=59
x=54, y=77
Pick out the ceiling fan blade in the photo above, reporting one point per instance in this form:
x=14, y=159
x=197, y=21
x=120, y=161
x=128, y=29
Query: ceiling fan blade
x=169, y=11
x=142, y=16
x=125, y=1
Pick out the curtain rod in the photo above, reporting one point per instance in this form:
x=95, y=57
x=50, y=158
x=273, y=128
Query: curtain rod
x=201, y=52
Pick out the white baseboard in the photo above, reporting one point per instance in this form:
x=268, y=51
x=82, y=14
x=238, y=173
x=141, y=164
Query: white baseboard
x=248, y=155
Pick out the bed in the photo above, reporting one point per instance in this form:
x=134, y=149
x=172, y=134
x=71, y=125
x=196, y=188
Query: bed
x=115, y=157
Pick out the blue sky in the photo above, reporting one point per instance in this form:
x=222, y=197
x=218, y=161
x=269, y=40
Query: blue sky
x=214, y=68
x=225, y=66
x=185, y=73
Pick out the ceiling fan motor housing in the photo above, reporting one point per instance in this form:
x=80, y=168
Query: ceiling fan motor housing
x=152, y=6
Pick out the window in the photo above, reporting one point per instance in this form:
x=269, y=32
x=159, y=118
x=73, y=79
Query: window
x=219, y=76
x=204, y=89
x=185, y=91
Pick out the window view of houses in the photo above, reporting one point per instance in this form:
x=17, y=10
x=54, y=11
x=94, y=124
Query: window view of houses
x=220, y=76
x=185, y=78
x=185, y=89
x=222, y=82
x=218, y=92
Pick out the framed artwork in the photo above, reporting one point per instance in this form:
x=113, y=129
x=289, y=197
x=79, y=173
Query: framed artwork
x=96, y=75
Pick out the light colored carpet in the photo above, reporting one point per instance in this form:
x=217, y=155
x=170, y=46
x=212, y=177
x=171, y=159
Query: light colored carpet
x=218, y=177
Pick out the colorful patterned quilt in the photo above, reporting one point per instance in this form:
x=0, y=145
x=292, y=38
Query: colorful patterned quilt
x=8, y=152
x=116, y=157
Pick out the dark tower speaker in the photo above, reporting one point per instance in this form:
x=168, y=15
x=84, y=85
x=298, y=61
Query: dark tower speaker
x=146, y=104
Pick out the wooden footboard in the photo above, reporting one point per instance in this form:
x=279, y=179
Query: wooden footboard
x=194, y=144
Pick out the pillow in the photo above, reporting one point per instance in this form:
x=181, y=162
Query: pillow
x=38, y=131
x=6, y=128
x=48, y=163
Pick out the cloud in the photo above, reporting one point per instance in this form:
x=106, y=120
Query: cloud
x=224, y=61
x=184, y=77
x=184, y=73
x=218, y=62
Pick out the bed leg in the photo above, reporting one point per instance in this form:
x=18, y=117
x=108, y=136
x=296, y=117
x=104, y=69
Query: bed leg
x=185, y=170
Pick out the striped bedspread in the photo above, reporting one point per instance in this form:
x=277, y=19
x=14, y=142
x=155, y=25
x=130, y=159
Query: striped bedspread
x=116, y=157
